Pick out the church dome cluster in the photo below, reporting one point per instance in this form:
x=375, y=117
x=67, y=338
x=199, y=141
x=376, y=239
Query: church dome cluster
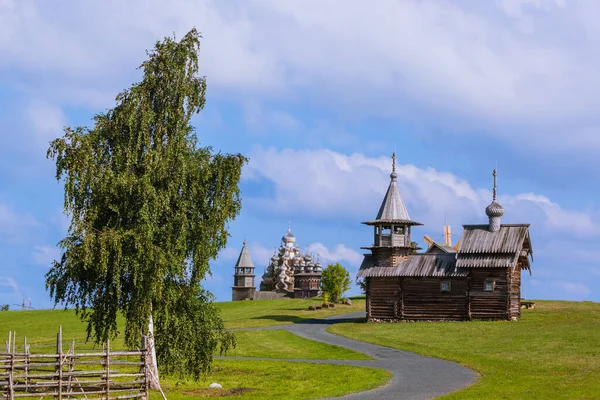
x=290, y=273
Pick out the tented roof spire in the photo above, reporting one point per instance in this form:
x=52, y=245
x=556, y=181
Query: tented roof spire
x=244, y=260
x=392, y=208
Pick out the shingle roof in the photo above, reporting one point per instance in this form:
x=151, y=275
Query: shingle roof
x=436, y=265
x=442, y=246
x=478, y=239
x=480, y=248
x=486, y=261
x=244, y=260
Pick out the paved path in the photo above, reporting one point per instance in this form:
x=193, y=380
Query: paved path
x=415, y=377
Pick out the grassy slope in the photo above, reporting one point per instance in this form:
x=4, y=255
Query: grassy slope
x=40, y=327
x=267, y=379
x=552, y=352
x=279, y=380
x=251, y=314
x=283, y=344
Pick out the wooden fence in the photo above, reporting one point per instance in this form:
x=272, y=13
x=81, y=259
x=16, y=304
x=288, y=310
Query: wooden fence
x=87, y=374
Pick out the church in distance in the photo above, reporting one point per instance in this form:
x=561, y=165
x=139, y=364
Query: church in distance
x=289, y=274
x=480, y=278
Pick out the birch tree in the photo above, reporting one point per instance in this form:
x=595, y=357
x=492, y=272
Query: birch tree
x=149, y=209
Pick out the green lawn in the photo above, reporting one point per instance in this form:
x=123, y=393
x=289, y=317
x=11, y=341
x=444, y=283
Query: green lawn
x=261, y=313
x=280, y=380
x=553, y=352
x=248, y=379
x=283, y=344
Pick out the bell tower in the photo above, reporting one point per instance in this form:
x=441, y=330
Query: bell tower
x=243, y=277
x=391, y=227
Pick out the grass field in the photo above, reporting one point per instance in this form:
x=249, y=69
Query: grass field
x=248, y=379
x=252, y=314
x=553, y=352
x=278, y=380
x=283, y=344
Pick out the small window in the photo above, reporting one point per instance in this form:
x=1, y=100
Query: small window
x=445, y=286
x=489, y=286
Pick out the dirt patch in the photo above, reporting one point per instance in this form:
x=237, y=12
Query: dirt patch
x=210, y=392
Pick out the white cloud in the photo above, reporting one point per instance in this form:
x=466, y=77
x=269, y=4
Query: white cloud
x=327, y=184
x=340, y=253
x=392, y=59
x=229, y=254
x=17, y=228
x=45, y=255
x=10, y=293
x=46, y=119
x=558, y=218
x=9, y=283
x=260, y=256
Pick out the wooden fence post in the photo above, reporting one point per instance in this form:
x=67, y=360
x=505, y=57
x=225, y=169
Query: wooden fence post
x=60, y=361
x=107, y=366
x=145, y=365
x=26, y=352
x=11, y=390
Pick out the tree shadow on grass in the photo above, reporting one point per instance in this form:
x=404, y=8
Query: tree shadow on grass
x=315, y=321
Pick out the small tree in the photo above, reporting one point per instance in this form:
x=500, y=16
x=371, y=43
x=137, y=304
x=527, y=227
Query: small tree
x=362, y=284
x=335, y=281
x=414, y=246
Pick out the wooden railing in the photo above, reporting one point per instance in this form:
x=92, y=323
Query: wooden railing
x=392, y=240
x=73, y=375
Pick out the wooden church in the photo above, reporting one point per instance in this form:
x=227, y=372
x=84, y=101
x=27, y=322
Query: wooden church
x=480, y=278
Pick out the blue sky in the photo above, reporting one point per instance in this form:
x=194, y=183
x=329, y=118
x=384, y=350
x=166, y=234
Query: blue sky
x=318, y=94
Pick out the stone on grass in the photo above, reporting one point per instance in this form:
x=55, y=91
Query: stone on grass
x=348, y=302
x=215, y=385
x=311, y=308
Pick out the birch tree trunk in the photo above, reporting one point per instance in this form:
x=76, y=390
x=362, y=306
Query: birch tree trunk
x=152, y=364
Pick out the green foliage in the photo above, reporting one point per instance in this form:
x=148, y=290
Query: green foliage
x=362, y=284
x=414, y=246
x=335, y=281
x=149, y=209
x=4, y=307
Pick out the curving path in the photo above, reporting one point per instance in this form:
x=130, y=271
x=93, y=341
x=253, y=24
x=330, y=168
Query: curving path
x=415, y=377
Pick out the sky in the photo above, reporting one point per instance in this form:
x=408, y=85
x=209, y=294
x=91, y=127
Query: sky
x=318, y=94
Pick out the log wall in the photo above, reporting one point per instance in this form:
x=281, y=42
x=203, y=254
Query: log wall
x=395, y=298
x=489, y=305
x=390, y=255
x=383, y=301
x=423, y=300
x=515, y=293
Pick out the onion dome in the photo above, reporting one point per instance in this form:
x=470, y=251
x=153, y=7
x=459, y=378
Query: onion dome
x=288, y=238
x=494, y=210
